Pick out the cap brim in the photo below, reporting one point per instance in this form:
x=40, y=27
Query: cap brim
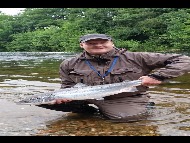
x=94, y=39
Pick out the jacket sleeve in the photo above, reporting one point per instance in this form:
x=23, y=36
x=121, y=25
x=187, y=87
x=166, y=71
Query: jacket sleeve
x=66, y=81
x=167, y=66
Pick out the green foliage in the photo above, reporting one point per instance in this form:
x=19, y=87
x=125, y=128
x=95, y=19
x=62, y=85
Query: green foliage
x=58, y=29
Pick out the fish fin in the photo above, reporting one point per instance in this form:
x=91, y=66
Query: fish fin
x=78, y=85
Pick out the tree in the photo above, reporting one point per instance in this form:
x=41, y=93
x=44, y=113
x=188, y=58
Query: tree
x=149, y=29
x=177, y=34
x=40, y=18
x=5, y=31
x=58, y=29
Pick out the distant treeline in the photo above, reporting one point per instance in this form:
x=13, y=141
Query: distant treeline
x=58, y=29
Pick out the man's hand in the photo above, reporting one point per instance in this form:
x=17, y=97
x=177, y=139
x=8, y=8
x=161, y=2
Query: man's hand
x=59, y=101
x=147, y=81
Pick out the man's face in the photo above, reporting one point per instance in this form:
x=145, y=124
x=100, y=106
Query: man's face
x=97, y=46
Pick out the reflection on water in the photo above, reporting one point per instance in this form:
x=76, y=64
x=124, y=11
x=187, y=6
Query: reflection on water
x=23, y=74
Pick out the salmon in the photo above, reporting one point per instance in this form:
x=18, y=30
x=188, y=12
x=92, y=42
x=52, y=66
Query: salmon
x=82, y=92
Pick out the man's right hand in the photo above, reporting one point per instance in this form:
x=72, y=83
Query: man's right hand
x=59, y=101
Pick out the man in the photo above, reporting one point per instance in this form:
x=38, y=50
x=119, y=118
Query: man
x=90, y=66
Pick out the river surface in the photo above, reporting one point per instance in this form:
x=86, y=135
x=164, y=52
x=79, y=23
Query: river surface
x=23, y=74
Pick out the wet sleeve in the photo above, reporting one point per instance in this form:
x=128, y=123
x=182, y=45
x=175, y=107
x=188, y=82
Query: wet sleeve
x=66, y=81
x=167, y=66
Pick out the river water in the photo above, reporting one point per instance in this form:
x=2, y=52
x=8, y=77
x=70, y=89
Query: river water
x=23, y=74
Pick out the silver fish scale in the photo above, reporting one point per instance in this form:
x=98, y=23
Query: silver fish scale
x=93, y=92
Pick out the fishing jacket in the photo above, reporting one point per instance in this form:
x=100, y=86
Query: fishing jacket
x=129, y=66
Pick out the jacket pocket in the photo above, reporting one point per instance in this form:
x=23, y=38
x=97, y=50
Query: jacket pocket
x=82, y=76
x=119, y=75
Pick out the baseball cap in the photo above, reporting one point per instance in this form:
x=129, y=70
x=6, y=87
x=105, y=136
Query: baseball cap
x=88, y=37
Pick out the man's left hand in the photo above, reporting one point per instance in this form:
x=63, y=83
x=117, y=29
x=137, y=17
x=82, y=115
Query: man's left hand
x=147, y=81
